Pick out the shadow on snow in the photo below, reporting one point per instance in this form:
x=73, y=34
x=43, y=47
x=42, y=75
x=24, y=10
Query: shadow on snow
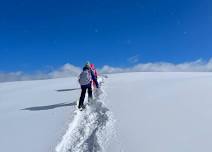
x=49, y=107
x=64, y=90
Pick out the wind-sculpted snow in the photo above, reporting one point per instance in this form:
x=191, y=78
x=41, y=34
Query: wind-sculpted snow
x=90, y=130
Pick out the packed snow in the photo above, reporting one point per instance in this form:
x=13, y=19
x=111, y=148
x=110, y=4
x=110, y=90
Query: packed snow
x=150, y=112
x=91, y=129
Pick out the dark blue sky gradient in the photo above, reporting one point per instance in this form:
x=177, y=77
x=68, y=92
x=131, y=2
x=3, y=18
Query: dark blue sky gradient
x=35, y=34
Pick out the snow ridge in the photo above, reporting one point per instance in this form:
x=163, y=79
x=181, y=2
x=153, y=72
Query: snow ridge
x=90, y=130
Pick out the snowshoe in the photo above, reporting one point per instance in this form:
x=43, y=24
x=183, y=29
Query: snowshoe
x=82, y=107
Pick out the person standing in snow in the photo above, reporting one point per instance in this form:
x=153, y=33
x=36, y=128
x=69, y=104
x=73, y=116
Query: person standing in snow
x=95, y=74
x=85, y=80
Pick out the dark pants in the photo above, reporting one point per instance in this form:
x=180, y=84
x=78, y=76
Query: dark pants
x=84, y=88
x=94, y=78
x=96, y=83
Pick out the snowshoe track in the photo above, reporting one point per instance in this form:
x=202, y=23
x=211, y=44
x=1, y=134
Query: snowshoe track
x=90, y=130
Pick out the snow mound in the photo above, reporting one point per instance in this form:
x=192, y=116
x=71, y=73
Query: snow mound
x=91, y=129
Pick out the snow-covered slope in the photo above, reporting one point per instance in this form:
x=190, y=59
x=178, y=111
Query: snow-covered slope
x=151, y=112
x=162, y=112
x=33, y=115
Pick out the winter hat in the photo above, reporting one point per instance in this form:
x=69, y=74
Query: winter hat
x=92, y=66
x=87, y=64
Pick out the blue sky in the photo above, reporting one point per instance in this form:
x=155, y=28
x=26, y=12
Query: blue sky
x=38, y=35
